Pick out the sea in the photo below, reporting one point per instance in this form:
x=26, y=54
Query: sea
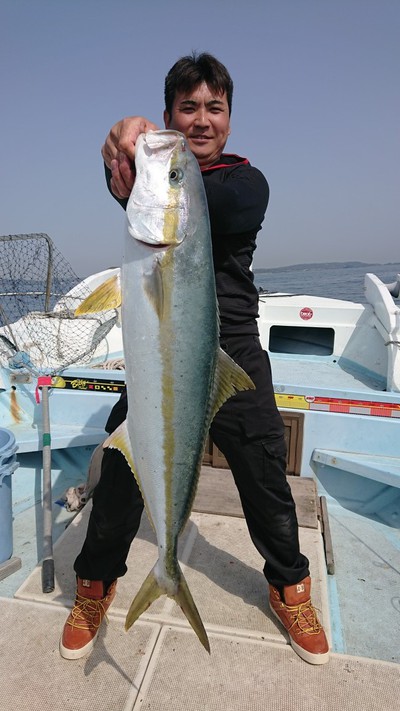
x=338, y=280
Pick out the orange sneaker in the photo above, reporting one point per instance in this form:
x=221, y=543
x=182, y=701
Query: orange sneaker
x=83, y=623
x=300, y=620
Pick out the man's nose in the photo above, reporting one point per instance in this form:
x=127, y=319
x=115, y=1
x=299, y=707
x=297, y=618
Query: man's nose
x=201, y=118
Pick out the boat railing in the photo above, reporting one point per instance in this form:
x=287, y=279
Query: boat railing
x=386, y=319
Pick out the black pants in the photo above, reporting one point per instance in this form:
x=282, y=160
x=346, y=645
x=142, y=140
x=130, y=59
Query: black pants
x=249, y=432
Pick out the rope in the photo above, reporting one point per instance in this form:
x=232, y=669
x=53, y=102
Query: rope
x=116, y=364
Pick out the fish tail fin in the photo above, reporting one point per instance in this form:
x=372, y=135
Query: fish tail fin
x=152, y=589
x=185, y=601
x=149, y=592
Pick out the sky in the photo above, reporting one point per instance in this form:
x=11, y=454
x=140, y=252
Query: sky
x=316, y=108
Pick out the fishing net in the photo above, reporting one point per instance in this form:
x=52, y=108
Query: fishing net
x=39, y=293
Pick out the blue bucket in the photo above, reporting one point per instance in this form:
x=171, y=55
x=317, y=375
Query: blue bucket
x=8, y=464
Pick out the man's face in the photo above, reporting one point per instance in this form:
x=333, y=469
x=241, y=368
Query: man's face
x=203, y=117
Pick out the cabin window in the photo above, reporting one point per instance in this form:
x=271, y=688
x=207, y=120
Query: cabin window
x=304, y=340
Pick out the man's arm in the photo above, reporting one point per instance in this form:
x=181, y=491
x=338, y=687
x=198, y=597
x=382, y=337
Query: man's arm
x=238, y=203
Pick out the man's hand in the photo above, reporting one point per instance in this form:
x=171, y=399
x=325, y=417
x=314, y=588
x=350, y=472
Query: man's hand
x=119, y=152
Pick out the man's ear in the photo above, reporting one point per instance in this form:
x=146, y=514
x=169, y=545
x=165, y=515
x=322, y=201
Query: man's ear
x=167, y=119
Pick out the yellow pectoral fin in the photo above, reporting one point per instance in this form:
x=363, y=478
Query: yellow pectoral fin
x=229, y=379
x=154, y=288
x=107, y=296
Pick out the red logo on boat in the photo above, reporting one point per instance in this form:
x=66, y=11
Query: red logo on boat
x=306, y=313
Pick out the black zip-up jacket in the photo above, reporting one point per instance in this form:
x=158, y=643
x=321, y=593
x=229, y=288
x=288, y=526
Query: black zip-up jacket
x=237, y=195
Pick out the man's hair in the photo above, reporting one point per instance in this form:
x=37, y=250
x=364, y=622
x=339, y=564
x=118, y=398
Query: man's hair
x=191, y=71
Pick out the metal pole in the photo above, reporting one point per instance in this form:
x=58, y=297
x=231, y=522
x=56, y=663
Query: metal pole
x=48, y=561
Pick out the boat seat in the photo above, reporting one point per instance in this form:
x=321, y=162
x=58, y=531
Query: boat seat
x=386, y=470
x=62, y=436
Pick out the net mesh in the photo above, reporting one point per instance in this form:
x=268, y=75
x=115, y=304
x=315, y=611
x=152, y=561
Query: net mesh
x=39, y=293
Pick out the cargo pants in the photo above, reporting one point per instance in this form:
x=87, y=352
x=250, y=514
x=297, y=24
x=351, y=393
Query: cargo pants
x=249, y=432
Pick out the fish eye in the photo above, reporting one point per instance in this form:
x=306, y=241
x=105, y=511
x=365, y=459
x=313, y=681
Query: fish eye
x=175, y=176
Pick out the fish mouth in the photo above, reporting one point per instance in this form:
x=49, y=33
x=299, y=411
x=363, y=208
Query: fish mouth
x=154, y=246
x=158, y=247
x=159, y=239
x=152, y=207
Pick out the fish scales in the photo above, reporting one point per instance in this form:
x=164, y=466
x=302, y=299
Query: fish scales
x=176, y=375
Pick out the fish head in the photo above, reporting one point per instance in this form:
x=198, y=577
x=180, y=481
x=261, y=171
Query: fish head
x=160, y=202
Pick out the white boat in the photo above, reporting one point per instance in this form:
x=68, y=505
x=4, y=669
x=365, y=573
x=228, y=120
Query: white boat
x=337, y=365
x=336, y=373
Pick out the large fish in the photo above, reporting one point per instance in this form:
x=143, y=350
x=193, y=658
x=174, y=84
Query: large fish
x=177, y=377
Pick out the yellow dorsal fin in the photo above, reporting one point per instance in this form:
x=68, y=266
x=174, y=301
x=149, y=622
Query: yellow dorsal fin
x=107, y=296
x=229, y=379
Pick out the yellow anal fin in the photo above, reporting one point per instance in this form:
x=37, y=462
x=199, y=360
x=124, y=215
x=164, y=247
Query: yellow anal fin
x=229, y=379
x=119, y=439
x=107, y=296
x=151, y=590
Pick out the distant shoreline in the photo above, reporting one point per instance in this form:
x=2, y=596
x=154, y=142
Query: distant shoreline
x=320, y=265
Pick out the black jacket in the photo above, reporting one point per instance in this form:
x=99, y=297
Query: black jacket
x=237, y=196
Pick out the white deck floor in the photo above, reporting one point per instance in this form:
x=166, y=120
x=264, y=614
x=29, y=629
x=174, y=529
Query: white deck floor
x=159, y=663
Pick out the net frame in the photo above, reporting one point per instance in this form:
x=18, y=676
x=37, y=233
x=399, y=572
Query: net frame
x=39, y=292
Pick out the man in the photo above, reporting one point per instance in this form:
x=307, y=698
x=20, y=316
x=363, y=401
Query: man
x=248, y=429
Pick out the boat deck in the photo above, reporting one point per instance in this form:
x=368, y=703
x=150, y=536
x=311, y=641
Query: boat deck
x=313, y=375
x=160, y=663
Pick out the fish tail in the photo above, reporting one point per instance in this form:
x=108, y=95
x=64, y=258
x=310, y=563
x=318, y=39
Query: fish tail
x=152, y=589
x=149, y=592
x=185, y=601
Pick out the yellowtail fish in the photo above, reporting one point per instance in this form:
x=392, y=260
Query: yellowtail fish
x=177, y=377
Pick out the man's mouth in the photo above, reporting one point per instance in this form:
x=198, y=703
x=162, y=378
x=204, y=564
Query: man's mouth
x=201, y=139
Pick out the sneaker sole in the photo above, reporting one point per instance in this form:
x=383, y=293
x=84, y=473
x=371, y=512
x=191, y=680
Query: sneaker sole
x=303, y=654
x=67, y=653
